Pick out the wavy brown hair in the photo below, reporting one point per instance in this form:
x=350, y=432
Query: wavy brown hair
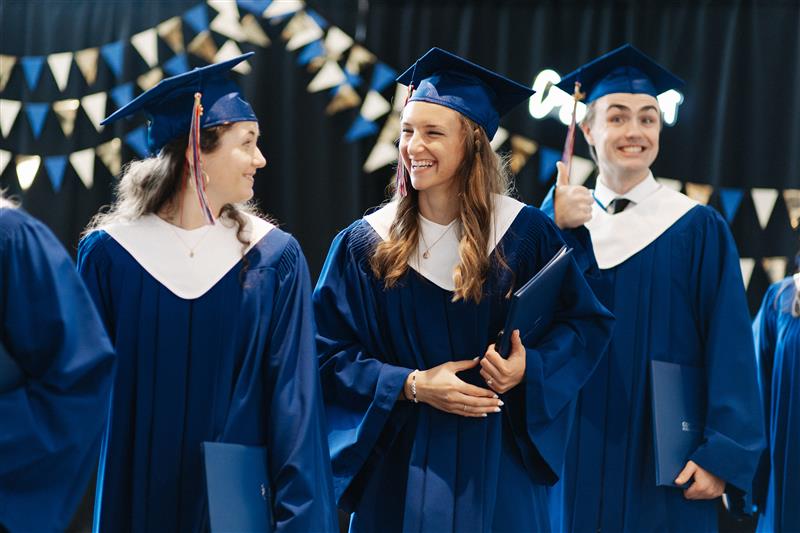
x=152, y=185
x=481, y=174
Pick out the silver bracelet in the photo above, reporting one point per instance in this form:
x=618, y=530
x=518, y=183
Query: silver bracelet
x=414, y=386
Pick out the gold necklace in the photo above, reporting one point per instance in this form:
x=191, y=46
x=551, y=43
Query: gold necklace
x=427, y=253
x=191, y=249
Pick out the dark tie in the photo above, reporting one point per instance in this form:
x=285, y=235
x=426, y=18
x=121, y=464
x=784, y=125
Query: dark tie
x=618, y=205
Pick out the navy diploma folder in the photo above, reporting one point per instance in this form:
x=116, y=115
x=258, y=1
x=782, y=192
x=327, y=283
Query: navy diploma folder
x=237, y=482
x=679, y=407
x=11, y=375
x=533, y=304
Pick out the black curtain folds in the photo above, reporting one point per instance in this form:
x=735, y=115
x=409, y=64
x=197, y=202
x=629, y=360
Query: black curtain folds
x=738, y=127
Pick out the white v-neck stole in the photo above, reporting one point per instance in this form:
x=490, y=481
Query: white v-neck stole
x=442, y=242
x=162, y=249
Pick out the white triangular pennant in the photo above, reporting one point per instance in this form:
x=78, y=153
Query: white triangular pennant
x=94, y=105
x=330, y=75
x=675, y=185
x=522, y=149
x=66, y=111
x=27, y=167
x=203, y=46
x=229, y=50
x=747, y=264
x=336, y=43
x=9, y=109
x=83, y=163
x=375, y=106
x=228, y=25
x=171, y=30
x=764, y=201
x=111, y=156
x=699, y=192
x=253, y=32
x=60, y=65
x=791, y=198
x=225, y=8
x=87, y=63
x=382, y=154
x=358, y=57
x=581, y=169
x=500, y=136
x=345, y=98
x=6, y=66
x=300, y=31
x=284, y=7
x=775, y=267
x=146, y=43
x=399, y=100
x=5, y=157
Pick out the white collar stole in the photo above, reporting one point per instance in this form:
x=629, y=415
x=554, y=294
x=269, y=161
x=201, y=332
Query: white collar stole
x=442, y=241
x=616, y=238
x=163, y=250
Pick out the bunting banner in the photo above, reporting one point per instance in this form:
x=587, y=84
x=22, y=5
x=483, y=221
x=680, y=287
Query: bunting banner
x=113, y=55
x=83, y=163
x=171, y=31
x=149, y=79
x=522, y=149
x=203, y=46
x=329, y=76
x=229, y=50
x=110, y=153
x=253, y=32
x=764, y=202
x=146, y=43
x=55, y=166
x=6, y=66
x=344, y=98
x=301, y=30
x=5, y=157
x=227, y=22
x=197, y=18
x=337, y=43
x=548, y=157
x=384, y=152
x=37, y=114
x=730, y=199
x=500, y=137
x=32, y=68
x=278, y=10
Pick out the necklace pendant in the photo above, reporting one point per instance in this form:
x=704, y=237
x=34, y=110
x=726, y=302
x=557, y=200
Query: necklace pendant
x=191, y=254
x=426, y=255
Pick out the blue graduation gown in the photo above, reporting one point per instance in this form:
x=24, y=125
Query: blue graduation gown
x=777, y=336
x=234, y=365
x=409, y=467
x=51, y=425
x=680, y=299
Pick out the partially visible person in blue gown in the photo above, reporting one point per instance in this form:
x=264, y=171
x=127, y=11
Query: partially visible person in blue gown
x=777, y=335
x=667, y=267
x=209, y=307
x=56, y=371
x=425, y=434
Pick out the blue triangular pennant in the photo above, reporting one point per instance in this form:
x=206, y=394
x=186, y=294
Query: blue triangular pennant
x=32, y=67
x=361, y=128
x=256, y=7
x=309, y=52
x=122, y=94
x=37, y=113
x=137, y=139
x=197, y=18
x=731, y=199
x=113, y=53
x=176, y=65
x=55, y=166
x=548, y=158
x=321, y=22
x=353, y=79
x=382, y=75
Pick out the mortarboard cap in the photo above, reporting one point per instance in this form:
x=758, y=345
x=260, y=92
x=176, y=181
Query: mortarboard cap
x=440, y=77
x=169, y=105
x=624, y=70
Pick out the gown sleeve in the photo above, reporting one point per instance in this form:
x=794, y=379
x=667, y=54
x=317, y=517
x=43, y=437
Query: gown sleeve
x=541, y=409
x=764, y=335
x=296, y=436
x=52, y=423
x=359, y=384
x=734, y=429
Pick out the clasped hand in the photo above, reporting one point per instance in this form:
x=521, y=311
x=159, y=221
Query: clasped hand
x=441, y=388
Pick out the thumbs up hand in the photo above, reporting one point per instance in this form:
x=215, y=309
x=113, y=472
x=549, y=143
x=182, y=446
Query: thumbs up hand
x=572, y=203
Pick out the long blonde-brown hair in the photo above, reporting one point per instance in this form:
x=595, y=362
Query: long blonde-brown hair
x=481, y=174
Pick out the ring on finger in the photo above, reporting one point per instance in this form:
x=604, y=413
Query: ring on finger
x=489, y=381
x=465, y=408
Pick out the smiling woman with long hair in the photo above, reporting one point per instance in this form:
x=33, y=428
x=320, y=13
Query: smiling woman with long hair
x=424, y=436
x=209, y=308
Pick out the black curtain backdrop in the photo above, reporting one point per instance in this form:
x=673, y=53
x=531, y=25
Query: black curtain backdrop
x=739, y=125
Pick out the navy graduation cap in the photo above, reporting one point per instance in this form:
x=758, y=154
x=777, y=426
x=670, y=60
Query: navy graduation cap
x=169, y=105
x=440, y=77
x=624, y=70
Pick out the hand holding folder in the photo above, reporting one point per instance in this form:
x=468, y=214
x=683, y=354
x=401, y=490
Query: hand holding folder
x=533, y=305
